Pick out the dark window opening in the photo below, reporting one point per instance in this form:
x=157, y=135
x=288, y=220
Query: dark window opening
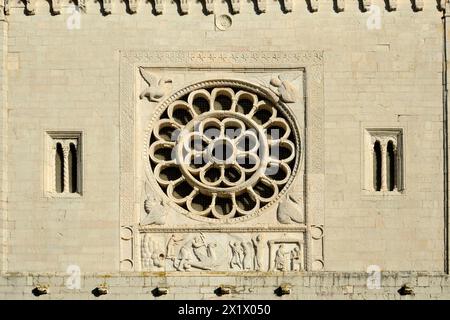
x=59, y=168
x=377, y=166
x=73, y=169
x=391, y=166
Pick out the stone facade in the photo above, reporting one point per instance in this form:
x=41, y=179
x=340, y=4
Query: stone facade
x=99, y=99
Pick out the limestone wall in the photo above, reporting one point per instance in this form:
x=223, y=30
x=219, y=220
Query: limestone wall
x=62, y=78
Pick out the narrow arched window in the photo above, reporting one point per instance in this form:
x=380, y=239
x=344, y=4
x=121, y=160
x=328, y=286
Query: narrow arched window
x=391, y=166
x=59, y=168
x=63, y=170
x=377, y=166
x=73, y=169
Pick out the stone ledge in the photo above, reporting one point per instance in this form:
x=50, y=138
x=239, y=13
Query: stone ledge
x=310, y=285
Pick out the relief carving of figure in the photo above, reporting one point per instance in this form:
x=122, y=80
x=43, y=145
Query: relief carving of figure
x=157, y=88
x=171, y=247
x=296, y=259
x=235, y=255
x=258, y=245
x=196, y=253
x=183, y=258
x=280, y=258
x=247, y=259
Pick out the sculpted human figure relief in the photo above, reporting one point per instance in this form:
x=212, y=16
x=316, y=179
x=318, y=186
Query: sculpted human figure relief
x=196, y=253
x=281, y=257
x=235, y=261
x=157, y=87
x=247, y=259
x=258, y=245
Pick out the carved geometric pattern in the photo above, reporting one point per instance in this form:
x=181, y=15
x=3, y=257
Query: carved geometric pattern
x=224, y=152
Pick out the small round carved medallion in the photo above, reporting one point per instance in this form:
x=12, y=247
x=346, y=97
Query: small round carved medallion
x=223, y=22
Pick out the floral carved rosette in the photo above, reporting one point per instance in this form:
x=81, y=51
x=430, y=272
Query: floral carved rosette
x=223, y=153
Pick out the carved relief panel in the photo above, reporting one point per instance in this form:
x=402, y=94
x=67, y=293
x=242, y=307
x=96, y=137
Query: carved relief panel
x=216, y=178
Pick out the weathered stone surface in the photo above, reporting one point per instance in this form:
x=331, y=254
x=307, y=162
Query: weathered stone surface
x=87, y=195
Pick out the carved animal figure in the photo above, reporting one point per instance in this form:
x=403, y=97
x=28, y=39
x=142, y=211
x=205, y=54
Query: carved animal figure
x=286, y=90
x=156, y=212
x=290, y=210
x=157, y=88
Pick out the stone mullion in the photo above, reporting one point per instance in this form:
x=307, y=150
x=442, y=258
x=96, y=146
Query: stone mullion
x=383, y=145
x=66, y=149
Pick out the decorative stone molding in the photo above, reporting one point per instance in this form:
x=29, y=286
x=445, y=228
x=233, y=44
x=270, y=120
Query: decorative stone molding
x=136, y=214
x=260, y=6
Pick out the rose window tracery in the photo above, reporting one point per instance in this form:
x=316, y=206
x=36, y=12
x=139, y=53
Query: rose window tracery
x=223, y=153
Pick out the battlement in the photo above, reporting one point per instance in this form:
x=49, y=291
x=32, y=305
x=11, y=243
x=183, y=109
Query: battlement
x=207, y=7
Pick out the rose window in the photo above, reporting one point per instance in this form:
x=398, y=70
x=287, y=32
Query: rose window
x=223, y=153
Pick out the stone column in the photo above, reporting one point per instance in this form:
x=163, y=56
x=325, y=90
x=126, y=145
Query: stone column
x=66, y=150
x=383, y=145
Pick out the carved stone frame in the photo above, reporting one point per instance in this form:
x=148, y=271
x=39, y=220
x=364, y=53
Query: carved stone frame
x=312, y=64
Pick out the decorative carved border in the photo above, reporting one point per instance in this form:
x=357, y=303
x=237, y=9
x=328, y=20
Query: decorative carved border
x=310, y=61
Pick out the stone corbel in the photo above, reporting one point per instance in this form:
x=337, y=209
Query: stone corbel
x=209, y=6
x=417, y=5
x=107, y=6
x=184, y=6
x=6, y=7
x=31, y=7
x=56, y=6
x=82, y=5
x=133, y=5
x=366, y=4
x=313, y=5
x=262, y=5
x=339, y=5
x=288, y=5
x=158, y=6
x=392, y=5
x=235, y=6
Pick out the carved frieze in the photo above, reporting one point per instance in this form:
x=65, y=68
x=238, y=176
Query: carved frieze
x=197, y=207
x=241, y=252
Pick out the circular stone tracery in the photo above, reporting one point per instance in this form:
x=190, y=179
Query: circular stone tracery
x=223, y=153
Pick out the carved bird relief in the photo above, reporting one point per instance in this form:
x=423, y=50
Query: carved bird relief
x=285, y=89
x=157, y=88
x=290, y=210
x=155, y=212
